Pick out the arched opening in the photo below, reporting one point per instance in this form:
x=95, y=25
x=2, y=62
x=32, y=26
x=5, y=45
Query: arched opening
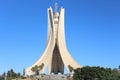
x=57, y=63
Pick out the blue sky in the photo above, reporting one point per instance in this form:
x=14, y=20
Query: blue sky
x=92, y=29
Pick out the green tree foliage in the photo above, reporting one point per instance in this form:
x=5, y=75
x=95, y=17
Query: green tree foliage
x=18, y=75
x=119, y=67
x=37, y=68
x=70, y=68
x=12, y=75
x=41, y=66
x=96, y=73
x=2, y=77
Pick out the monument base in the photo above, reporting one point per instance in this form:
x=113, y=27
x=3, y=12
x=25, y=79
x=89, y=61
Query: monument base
x=54, y=77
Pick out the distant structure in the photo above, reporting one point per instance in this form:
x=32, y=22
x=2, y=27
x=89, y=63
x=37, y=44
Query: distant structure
x=56, y=55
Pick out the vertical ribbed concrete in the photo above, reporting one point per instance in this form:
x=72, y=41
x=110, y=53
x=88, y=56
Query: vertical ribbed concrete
x=56, y=55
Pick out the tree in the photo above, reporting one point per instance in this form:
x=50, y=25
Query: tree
x=41, y=66
x=35, y=69
x=70, y=68
x=18, y=75
x=2, y=77
x=96, y=73
x=119, y=67
x=12, y=75
x=77, y=74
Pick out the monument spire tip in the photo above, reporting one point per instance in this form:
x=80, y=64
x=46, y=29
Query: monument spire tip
x=56, y=6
